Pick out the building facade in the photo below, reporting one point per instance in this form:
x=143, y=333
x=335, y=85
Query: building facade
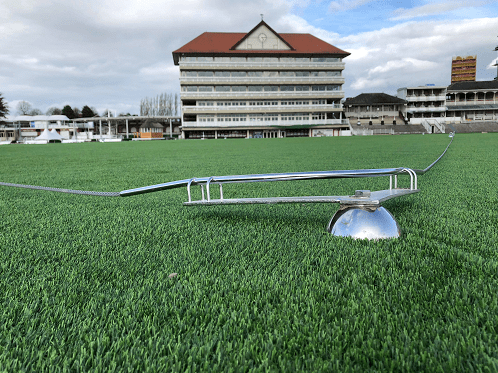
x=463, y=69
x=477, y=101
x=375, y=108
x=424, y=102
x=260, y=84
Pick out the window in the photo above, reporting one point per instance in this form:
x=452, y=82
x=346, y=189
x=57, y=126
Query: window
x=222, y=88
x=318, y=88
x=271, y=88
x=302, y=73
x=205, y=74
x=332, y=87
x=255, y=88
x=205, y=59
x=239, y=88
x=238, y=74
x=333, y=73
x=254, y=73
x=287, y=73
x=302, y=59
x=270, y=73
x=318, y=59
x=270, y=59
x=286, y=88
x=205, y=88
x=190, y=59
x=191, y=88
x=255, y=59
x=222, y=59
x=302, y=88
x=287, y=59
x=225, y=74
x=238, y=59
x=191, y=73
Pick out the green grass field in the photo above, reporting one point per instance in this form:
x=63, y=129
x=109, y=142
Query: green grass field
x=85, y=286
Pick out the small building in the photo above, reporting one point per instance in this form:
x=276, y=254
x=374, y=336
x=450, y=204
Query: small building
x=476, y=101
x=151, y=130
x=375, y=108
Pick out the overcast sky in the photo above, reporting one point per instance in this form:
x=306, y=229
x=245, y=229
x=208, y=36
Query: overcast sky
x=112, y=53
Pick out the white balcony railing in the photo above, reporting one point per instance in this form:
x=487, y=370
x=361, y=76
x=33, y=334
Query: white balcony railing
x=426, y=98
x=426, y=109
x=269, y=108
x=266, y=95
x=470, y=102
x=233, y=65
x=266, y=123
x=265, y=80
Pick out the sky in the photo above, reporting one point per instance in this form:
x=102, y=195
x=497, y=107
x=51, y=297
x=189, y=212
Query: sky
x=110, y=54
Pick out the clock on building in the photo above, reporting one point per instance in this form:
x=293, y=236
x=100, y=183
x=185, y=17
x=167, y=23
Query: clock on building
x=262, y=38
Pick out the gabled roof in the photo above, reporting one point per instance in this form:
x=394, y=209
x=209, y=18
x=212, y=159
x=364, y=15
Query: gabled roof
x=374, y=99
x=467, y=86
x=262, y=23
x=222, y=43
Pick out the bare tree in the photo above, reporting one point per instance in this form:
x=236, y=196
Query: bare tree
x=23, y=108
x=161, y=105
x=35, y=112
x=54, y=111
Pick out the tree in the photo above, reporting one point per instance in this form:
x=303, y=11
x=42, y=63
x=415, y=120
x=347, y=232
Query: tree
x=77, y=112
x=162, y=105
x=68, y=112
x=54, y=111
x=24, y=108
x=107, y=113
x=35, y=112
x=86, y=112
x=4, y=109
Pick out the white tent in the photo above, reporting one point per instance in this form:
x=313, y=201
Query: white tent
x=48, y=135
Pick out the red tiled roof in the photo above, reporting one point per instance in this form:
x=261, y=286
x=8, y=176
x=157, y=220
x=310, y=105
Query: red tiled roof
x=221, y=42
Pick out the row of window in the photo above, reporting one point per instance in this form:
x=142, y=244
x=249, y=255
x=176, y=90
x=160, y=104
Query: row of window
x=257, y=74
x=260, y=88
x=260, y=117
x=259, y=59
x=261, y=103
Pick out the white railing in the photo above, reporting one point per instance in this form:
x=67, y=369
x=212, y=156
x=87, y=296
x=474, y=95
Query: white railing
x=470, y=102
x=370, y=132
x=196, y=109
x=268, y=94
x=426, y=125
x=268, y=123
x=426, y=109
x=426, y=98
x=271, y=65
x=265, y=80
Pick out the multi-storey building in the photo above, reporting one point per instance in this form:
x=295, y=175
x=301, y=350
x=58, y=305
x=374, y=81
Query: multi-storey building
x=375, y=108
x=260, y=84
x=463, y=69
x=424, y=102
x=473, y=101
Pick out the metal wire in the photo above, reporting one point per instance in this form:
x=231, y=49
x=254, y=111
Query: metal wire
x=61, y=190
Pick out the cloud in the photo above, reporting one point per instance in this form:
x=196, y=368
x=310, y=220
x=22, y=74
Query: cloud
x=412, y=64
x=434, y=8
x=343, y=5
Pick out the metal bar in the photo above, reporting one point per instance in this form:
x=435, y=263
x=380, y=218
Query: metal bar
x=202, y=192
x=207, y=188
x=221, y=191
x=188, y=189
